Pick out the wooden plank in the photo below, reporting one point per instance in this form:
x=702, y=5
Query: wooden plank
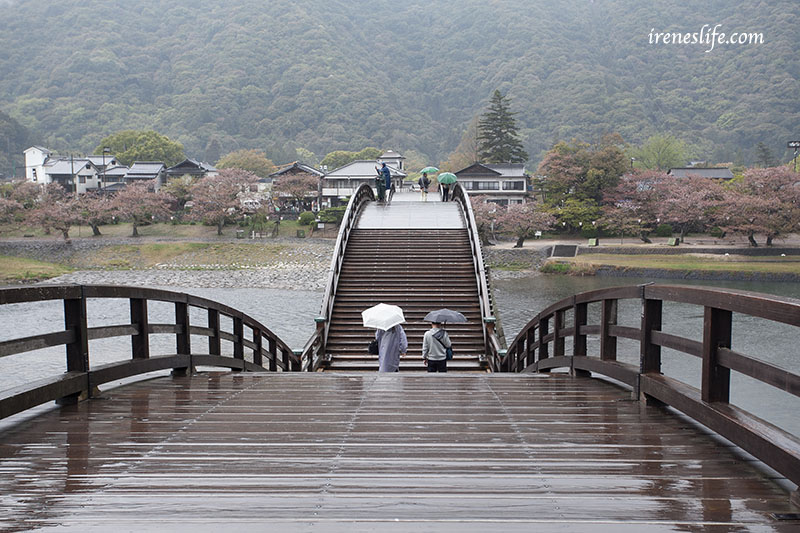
x=36, y=342
x=347, y=452
x=764, y=372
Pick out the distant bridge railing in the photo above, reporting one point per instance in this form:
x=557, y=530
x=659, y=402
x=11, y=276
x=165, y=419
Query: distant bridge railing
x=541, y=346
x=492, y=344
x=313, y=353
x=254, y=347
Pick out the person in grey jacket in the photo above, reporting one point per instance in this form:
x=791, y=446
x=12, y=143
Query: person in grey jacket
x=434, y=348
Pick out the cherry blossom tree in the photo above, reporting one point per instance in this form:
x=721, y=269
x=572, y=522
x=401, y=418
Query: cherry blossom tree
x=95, y=209
x=776, y=192
x=58, y=212
x=297, y=186
x=743, y=214
x=621, y=220
x=218, y=197
x=690, y=202
x=138, y=204
x=640, y=193
x=486, y=214
x=522, y=220
x=8, y=209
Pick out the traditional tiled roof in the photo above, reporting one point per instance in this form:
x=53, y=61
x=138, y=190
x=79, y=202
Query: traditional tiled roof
x=362, y=169
x=299, y=166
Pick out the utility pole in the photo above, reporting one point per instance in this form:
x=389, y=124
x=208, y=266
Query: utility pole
x=796, y=146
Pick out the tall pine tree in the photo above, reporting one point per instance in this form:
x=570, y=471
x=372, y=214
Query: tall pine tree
x=498, y=141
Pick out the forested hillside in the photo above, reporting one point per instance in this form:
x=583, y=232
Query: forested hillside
x=344, y=74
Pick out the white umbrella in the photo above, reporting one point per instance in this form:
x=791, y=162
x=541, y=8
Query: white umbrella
x=382, y=316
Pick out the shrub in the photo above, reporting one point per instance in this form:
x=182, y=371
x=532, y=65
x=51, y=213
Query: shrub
x=664, y=230
x=306, y=218
x=332, y=215
x=589, y=232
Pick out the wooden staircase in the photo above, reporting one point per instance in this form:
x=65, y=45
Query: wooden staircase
x=420, y=271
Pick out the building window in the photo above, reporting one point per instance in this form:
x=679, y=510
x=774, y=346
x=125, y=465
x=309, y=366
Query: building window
x=82, y=179
x=486, y=186
x=513, y=185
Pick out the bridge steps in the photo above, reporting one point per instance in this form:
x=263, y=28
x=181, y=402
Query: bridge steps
x=418, y=270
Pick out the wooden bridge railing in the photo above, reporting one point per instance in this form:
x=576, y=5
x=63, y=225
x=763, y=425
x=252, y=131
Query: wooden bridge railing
x=255, y=347
x=492, y=344
x=313, y=353
x=540, y=347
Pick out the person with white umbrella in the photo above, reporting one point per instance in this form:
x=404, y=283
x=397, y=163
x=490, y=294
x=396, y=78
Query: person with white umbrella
x=392, y=341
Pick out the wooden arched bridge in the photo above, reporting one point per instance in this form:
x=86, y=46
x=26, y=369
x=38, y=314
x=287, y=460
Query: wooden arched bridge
x=556, y=432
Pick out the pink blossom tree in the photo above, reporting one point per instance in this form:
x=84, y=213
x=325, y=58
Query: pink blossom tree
x=743, y=214
x=218, y=197
x=138, y=204
x=522, y=220
x=8, y=209
x=297, y=186
x=776, y=192
x=95, y=209
x=58, y=213
x=689, y=202
x=621, y=220
x=486, y=214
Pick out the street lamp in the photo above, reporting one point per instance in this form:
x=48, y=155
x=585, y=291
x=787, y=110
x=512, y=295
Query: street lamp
x=632, y=160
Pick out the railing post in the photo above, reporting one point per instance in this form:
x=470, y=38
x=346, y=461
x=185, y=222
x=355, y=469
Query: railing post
x=78, y=350
x=581, y=316
x=544, y=349
x=183, y=336
x=214, y=340
x=649, y=353
x=297, y=366
x=558, y=338
x=238, y=343
x=273, y=354
x=258, y=358
x=608, y=342
x=140, y=343
x=530, y=346
x=716, y=380
x=287, y=364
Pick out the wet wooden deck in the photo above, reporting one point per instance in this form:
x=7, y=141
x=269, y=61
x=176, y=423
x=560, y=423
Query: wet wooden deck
x=347, y=452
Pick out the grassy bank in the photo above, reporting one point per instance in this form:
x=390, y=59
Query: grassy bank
x=679, y=263
x=17, y=269
x=288, y=228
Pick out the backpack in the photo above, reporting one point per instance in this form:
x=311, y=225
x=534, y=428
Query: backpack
x=448, y=350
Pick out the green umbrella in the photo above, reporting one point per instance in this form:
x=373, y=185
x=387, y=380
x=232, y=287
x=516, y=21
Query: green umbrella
x=447, y=178
x=429, y=170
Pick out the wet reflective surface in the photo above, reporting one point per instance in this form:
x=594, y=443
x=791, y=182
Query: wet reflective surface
x=345, y=452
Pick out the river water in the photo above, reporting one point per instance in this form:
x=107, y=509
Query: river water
x=290, y=314
x=518, y=300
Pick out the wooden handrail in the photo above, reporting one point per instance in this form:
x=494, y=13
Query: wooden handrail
x=492, y=343
x=81, y=378
x=536, y=349
x=313, y=354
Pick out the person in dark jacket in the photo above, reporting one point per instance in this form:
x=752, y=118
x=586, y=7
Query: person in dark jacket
x=424, y=183
x=386, y=176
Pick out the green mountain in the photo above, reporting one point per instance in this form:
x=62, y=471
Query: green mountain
x=334, y=74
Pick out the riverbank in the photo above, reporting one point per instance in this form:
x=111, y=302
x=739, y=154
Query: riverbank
x=281, y=263
x=291, y=263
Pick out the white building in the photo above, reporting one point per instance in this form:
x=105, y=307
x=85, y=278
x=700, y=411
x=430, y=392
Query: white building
x=501, y=183
x=75, y=174
x=341, y=183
